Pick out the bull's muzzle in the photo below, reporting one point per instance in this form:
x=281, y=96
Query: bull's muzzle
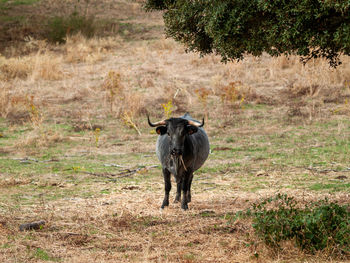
x=176, y=152
x=177, y=161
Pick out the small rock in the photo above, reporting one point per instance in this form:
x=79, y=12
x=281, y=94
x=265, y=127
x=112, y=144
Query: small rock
x=341, y=177
x=222, y=149
x=130, y=187
x=33, y=225
x=261, y=173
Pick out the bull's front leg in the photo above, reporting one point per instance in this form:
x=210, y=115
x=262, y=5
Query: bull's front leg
x=167, y=186
x=189, y=187
x=178, y=191
x=186, y=198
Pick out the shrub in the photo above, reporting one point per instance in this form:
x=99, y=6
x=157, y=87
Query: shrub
x=318, y=226
x=114, y=91
x=122, y=102
x=59, y=27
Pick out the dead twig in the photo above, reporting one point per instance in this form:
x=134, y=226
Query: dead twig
x=327, y=170
x=30, y=160
x=129, y=172
x=125, y=173
x=210, y=188
x=70, y=234
x=113, y=165
x=62, y=234
x=105, y=175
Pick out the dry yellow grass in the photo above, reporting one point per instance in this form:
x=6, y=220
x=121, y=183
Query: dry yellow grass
x=153, y=74
x=162, y=71
x=4, y=99
x=80, y=49
x=120, y=101
x=128, y=226
x=30, y=45
x=46, y=66
x=14, y=68
x=39, y=138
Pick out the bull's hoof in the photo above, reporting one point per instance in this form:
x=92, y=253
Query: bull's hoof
x=177, y=199
x=184, y=206
x=165, y=203
x=189, y=198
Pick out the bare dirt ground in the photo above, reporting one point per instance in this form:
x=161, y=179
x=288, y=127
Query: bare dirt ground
x=71, y=153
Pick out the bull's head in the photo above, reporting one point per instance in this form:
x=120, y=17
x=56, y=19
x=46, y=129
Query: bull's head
x=176, y=129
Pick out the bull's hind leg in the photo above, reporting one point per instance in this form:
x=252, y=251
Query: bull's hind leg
x=167, y=184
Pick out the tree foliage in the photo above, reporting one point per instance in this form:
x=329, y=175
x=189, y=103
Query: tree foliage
x=233, y=28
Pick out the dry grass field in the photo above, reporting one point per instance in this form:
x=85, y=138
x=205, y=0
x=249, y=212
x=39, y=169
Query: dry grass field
x=77, y=152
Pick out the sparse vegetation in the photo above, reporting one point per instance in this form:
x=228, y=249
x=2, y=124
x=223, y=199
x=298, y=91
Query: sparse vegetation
x=76, y=150
x=61, y=27
x=321, y=225
x=168, y=109
x=38, y=66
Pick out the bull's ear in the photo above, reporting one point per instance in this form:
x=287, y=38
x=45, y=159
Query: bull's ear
x=161, y=130
x=191, y=129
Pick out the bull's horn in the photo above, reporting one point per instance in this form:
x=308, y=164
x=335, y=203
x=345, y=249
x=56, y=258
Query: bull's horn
x=194, y=123
x=156, y=124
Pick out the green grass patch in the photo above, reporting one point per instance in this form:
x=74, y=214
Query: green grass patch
x=332, y=187
x=24, y=2
x=41, y=254
x=254, y=106
x=207, y=213
x=6, y=5
x=5, y=246
x=189, y=257
x=6, y=18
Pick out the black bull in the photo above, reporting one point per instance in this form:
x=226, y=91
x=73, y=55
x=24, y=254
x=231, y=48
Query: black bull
x=182, y=148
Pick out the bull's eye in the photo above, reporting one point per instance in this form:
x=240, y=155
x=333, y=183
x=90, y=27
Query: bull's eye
x=168, y=133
